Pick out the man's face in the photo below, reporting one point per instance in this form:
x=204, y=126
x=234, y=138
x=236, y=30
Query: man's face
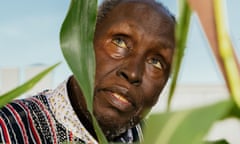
x=134, y=47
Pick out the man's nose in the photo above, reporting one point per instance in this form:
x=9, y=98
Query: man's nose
x=131, y=71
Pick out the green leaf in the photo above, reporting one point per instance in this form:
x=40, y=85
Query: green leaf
x=184, y=127
x=9, y=96
x=234, y=112
x=181, y=39
x=76, y=38
x=230, y=64
x=217, y=142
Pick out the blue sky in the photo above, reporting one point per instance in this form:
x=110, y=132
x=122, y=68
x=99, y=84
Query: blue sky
x=29, y=34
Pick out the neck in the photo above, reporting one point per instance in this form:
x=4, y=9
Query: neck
x=79, y=105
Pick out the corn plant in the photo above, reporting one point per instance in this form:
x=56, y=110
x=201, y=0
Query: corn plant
x=171, y=127
x=168, y=127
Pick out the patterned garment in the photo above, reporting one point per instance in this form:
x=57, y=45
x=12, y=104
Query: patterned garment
x=49, y=118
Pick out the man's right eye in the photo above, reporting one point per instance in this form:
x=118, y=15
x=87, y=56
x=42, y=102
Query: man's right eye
x=120, y=43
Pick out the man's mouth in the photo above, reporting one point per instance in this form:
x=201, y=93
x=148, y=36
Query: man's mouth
x=119, y=101
x=120, y=98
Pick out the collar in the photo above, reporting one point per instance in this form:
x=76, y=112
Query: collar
x=62, y=109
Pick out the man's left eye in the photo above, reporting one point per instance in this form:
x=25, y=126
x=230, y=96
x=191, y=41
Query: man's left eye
x=156, y=63
x=120, y=43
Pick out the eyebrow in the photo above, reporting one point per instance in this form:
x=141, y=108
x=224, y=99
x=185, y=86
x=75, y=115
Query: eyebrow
x=124, y=28
x=165, y=43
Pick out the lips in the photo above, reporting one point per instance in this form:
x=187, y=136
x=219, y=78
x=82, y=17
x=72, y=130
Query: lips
x=119, y=100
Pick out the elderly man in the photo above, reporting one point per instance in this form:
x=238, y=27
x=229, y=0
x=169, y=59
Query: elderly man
x=134, y=45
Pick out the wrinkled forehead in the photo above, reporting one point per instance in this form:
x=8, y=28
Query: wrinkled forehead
x=142, y=11
x=144, y=15
x=134, y=7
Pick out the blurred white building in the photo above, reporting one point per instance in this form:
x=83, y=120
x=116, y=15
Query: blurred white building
x=13, y=77
x=196, y=95
x=192, y=95
x=45, y=83
x=9, y=78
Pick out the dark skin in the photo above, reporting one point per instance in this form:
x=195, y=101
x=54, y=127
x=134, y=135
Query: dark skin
x=134, y=47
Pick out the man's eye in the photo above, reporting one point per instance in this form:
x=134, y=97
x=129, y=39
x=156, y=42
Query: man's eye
x=120, y=43
x=156, y=63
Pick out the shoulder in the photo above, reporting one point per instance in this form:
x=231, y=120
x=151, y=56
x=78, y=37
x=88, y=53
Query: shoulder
x=18, y=119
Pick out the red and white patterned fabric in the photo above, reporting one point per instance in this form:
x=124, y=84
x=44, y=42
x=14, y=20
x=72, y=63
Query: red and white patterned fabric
x=48, y=118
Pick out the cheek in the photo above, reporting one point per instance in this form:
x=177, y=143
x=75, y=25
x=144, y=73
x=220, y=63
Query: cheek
x=103, y=57
x=102, y=60
x=152, y=90
x=104, y=64
x=153, y=83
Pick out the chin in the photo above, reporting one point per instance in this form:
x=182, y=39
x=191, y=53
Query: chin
x=111, y=125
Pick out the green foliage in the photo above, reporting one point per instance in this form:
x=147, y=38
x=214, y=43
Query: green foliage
x=181, y=39
x=179, y=127
x=188, y=126
x=226, y=53
x=184, y=127
x=76, y=40
x=9, y=96
x=217, y=142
